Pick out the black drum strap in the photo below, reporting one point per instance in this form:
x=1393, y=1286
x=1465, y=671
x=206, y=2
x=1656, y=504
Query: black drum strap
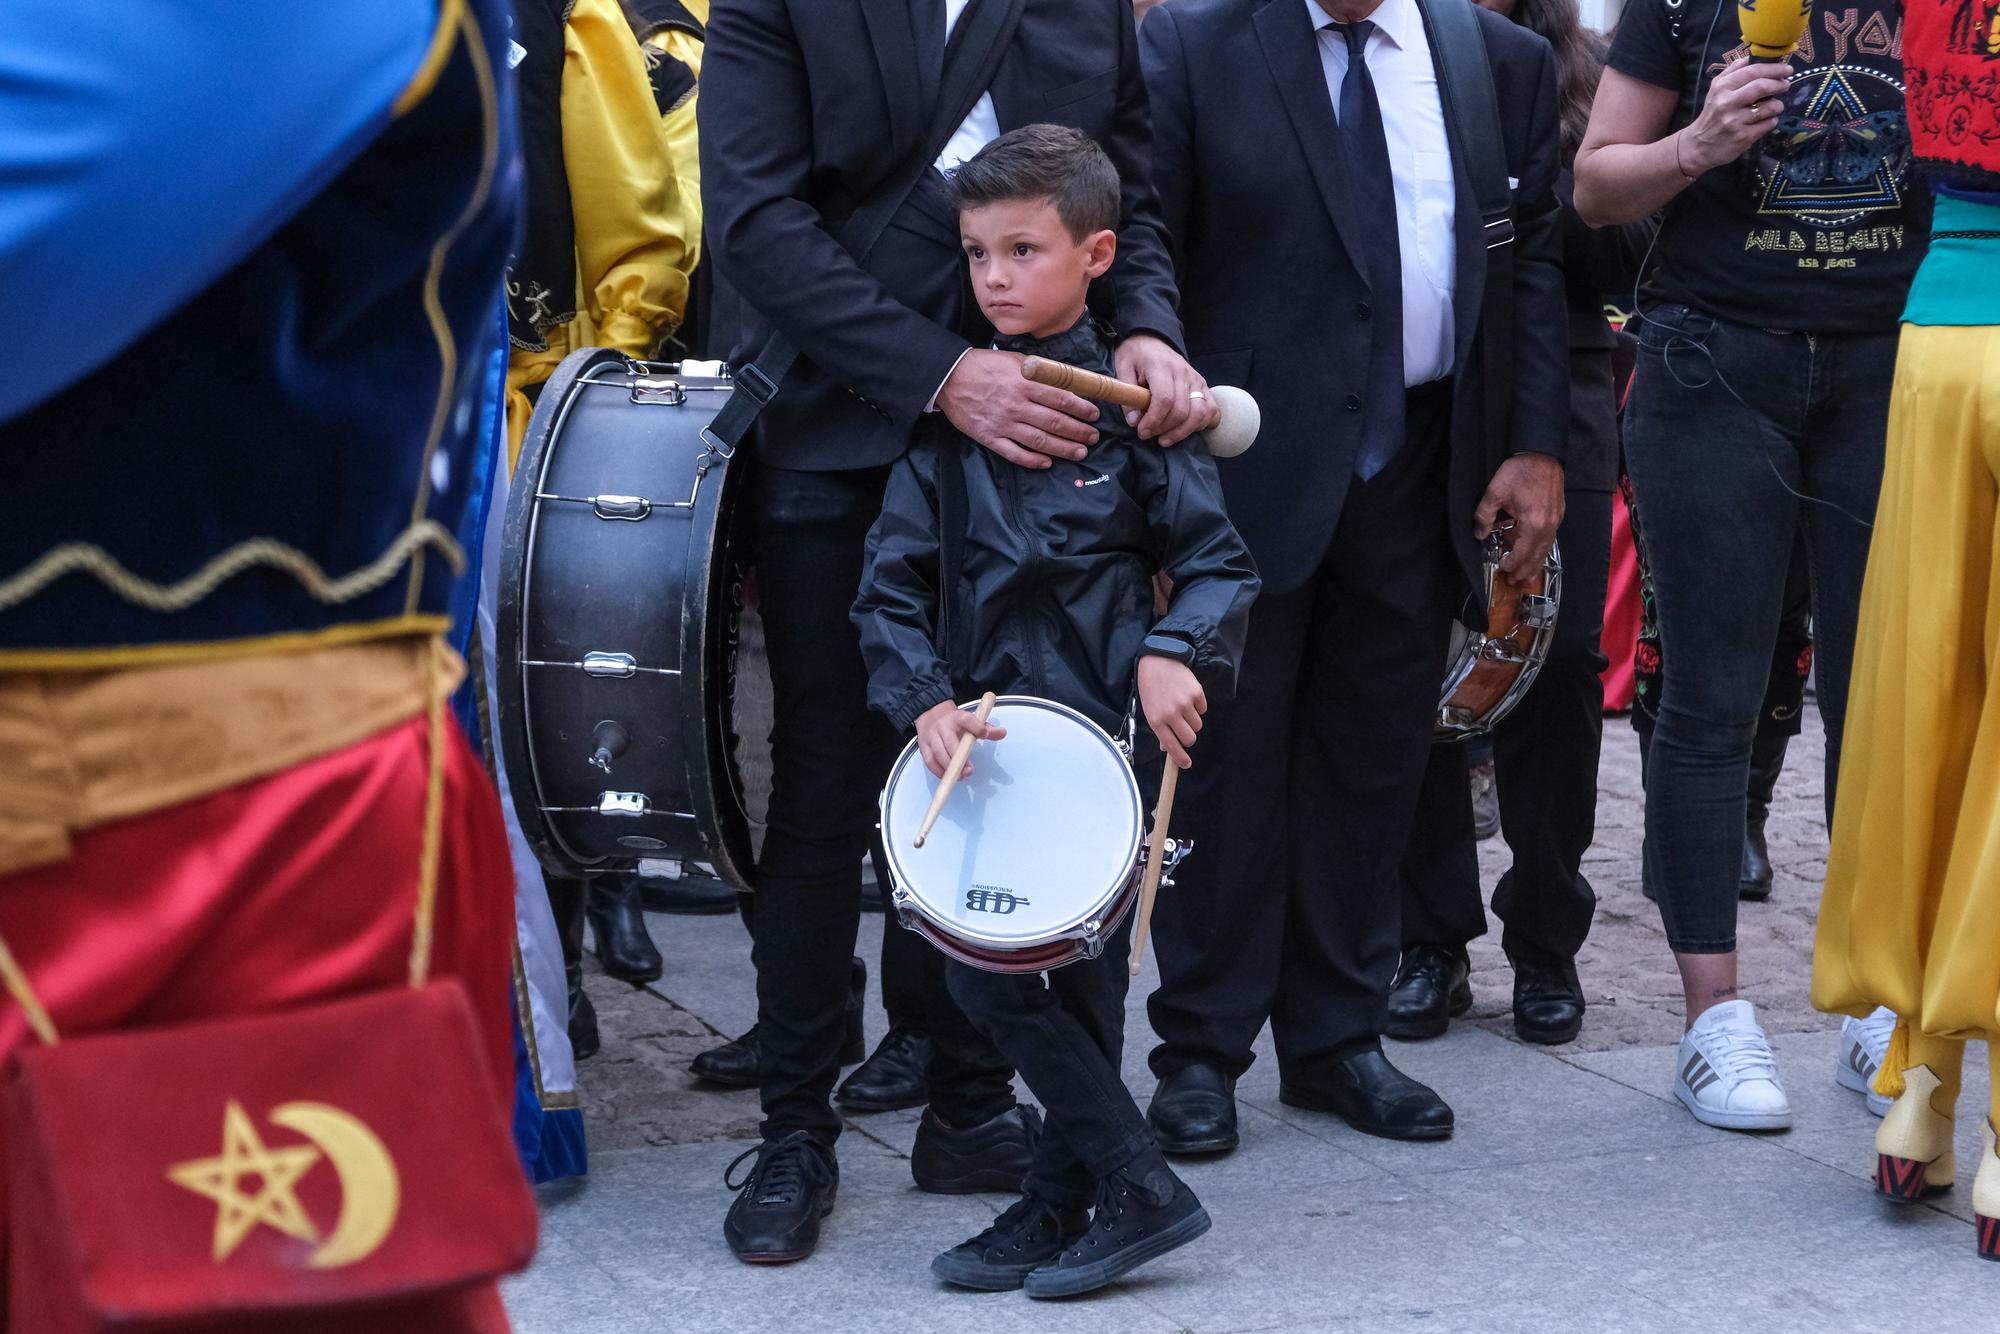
x=971, y=59
x=1472, y=113
x=952, y=506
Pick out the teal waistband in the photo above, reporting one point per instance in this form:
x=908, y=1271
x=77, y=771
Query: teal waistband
x=1959, y=280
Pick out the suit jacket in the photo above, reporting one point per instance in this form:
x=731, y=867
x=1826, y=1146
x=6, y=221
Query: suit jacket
x=1599, y=264
x=1254, y=195
x=807, y=105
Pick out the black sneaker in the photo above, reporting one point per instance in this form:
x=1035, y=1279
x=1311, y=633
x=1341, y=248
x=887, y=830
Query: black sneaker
x=992, y=1156
x=1141, y=1215
x=791, y=1186
x=1029, y=1235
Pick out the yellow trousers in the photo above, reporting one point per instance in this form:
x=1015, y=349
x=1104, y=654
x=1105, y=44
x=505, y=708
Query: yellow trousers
x=1911, y=913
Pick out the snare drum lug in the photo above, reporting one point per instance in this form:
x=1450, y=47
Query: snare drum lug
x=669, y=392
x=624, y=803
x=1537, y=611
x=610, y=664
x=629, y=508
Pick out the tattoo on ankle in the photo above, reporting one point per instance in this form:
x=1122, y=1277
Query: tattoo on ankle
x=1721, y=992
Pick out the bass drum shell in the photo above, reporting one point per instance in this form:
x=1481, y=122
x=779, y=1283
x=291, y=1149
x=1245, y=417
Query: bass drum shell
x=1035, y=858
x=654, y=583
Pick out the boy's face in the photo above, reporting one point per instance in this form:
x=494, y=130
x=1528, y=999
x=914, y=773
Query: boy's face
x=1029, y=274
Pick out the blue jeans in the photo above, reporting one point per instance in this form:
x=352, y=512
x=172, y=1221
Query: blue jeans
x=1727, y=428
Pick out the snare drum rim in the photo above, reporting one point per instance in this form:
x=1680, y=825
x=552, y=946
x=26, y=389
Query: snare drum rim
x=1099, y=907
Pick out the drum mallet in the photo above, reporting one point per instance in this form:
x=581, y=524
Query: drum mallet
x=1229, y=437
x=954, y=769
x=1156, y=853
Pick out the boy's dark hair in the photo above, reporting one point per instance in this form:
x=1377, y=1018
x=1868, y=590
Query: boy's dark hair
x=1053, y=162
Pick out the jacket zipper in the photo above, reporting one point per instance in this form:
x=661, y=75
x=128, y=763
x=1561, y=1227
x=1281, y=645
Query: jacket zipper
x=1032, y=630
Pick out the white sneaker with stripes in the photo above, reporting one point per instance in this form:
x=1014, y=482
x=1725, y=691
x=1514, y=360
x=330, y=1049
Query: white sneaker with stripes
x=1727, y=1076
x=1863, y=1044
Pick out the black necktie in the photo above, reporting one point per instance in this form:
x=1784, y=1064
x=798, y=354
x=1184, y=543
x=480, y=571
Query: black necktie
x=927, y=18
x=1367, y=152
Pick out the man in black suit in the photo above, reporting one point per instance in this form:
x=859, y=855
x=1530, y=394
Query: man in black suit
x=1332, y=261
x=807, y=106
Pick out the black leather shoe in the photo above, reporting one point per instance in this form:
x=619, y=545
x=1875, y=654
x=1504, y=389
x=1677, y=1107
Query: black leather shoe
x=623, y=947
x=791, y=1186
x=1030, y=1234
x=583, y=1039
x=1548, y=1001
x=1433, y=986
x=1375, y=1098
x=993, y=1155
x=733, y=1064
x=694, y=893
x=1142, y=1213
x=1767, y=763
x=1194, y=1112
x=896, y=1076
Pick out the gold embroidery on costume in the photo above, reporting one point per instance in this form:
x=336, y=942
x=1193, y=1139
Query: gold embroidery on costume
x=370, y=1190
x=89, y=558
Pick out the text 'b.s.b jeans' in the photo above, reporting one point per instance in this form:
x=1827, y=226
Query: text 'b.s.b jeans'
x=1727, y=428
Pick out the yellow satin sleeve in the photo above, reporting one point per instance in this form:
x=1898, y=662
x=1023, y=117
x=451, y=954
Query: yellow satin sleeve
x=637, y=225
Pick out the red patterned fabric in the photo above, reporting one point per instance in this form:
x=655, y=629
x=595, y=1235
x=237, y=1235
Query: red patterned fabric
x=1621, y=611
x=1951, y=65
x=289, y=891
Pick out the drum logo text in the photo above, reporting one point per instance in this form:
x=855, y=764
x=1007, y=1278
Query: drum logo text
x=984, y=898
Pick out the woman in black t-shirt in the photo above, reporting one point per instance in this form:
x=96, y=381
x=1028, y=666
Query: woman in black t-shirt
x=1789, y=236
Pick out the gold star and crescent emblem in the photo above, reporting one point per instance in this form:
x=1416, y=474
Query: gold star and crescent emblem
x=371, y=1192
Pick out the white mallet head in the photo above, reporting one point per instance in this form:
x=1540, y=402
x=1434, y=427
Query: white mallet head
x=1237, y=430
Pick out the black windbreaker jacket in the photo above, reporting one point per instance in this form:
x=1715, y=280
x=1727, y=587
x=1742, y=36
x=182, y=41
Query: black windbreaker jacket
x=1055, y=598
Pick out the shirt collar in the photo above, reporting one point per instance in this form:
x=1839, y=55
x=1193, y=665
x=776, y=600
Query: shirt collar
x=1397, y=20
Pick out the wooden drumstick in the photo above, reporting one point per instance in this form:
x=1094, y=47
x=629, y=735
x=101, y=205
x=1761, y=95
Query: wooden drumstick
x=1088, y=384
x=954, y=769
x=1156, y=847
x=1237, y=419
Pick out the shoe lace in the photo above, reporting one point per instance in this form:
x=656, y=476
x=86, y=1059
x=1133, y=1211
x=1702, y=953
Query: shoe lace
x=1019, y=1223
x=782, y=1169
x=1742, y=1053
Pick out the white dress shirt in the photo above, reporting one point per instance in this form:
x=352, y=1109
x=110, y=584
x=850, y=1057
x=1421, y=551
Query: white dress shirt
x=982, y=127
x=1399, y=60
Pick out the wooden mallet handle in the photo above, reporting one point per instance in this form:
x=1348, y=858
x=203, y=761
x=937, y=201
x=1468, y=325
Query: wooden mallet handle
x=1088, y=384
x=1156, y=847
x=954, y=769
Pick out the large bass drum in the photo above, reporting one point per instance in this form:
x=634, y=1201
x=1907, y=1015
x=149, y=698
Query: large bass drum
x=617, y=613
x=1491, y=664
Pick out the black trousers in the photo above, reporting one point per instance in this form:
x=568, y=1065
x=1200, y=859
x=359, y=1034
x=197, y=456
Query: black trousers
x=911, y=972
x=1067, y=1036
x=830, y=756
x=1303, y=787
x=1545, y=756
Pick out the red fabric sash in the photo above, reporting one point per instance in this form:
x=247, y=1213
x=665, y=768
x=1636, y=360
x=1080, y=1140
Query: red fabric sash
x=1951, y=64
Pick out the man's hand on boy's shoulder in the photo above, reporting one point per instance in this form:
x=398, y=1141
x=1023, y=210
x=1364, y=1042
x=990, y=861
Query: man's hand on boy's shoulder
x=989, y=401
x=1180, y=405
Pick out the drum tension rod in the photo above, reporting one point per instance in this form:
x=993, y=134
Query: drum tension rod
x=605, y=665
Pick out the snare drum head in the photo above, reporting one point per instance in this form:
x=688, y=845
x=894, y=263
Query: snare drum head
x=1038, y=839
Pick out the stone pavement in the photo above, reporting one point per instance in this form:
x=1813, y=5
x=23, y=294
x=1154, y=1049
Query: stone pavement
x=1575, y=1196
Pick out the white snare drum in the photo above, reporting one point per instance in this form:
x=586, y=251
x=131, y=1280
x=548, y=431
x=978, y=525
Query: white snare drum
x=1036, y=857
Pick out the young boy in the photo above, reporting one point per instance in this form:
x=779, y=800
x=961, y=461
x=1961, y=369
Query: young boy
x=1054, y=599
